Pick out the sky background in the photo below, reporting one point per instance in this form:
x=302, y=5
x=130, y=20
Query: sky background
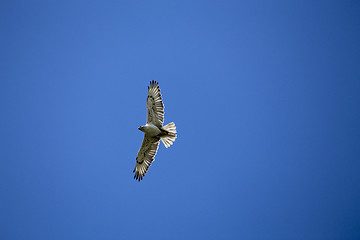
x=264, y=94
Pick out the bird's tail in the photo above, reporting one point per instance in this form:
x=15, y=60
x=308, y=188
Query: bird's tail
x=170, y=136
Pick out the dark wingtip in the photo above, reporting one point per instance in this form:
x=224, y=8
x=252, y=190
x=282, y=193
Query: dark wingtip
x=153, y=83
x=138, y=176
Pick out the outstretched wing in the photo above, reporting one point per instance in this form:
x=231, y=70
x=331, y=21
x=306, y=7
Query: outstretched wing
x=155, y=106
x=145, y=156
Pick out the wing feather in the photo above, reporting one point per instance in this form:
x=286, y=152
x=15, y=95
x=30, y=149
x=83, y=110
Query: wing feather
x=155, y=106
x=145, y=156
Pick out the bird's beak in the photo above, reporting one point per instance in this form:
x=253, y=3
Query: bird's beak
x=139, y=128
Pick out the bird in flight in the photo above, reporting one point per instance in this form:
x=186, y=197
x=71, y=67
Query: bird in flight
x=154, y=131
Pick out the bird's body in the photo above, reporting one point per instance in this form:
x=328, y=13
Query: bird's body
x=150, y=130
x=154, y=131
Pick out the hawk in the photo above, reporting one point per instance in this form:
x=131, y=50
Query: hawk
x=154, y=131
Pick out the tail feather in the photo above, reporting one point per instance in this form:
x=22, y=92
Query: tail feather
x=170, y=137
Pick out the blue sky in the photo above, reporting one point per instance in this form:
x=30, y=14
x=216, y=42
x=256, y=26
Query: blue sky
x=264, y=94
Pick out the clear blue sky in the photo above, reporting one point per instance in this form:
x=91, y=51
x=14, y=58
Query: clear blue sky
x=265, y=96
